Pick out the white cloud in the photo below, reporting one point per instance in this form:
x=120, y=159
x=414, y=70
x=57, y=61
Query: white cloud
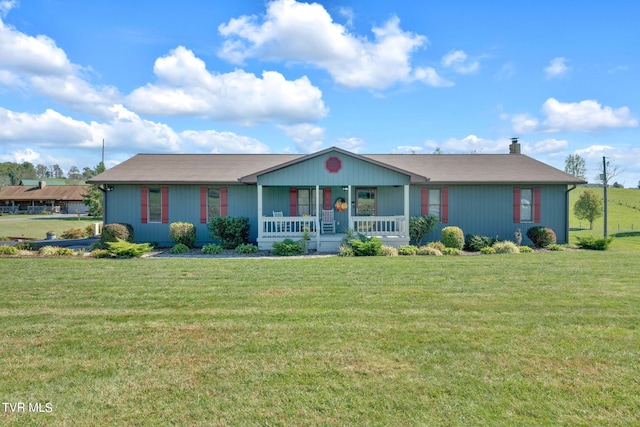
x=211, y=141
x=473, y=144
x=302, y=32
x=185, y=87
x=407, y=149
x=6, y=6
x=307, y=137
x=546, y=146
x=351, y=144
x=556, y=68
x=457, y=60
x=26, y=155
x=428, y=75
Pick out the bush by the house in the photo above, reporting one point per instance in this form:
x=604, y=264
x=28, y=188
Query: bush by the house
x=429, y=250
x=597, y=244
x=114, y=231
x=8, y=250
x=451, y=251
x=407, y=250
x=183, y=233
x=247, y=248
x=212, y=249
x=288, y=247
x=179, y=248
x=386, y=250
x=436, y=245
x=88, y=231
x=556, y=247
x=505, y=247
x=420, y=226
x=541, y=236
x=122, y=248
x=453, y=237
x=25, y=246
x=73, y=233
x=369, y=246
x=346, y=251
x=100, y=253
x=487, y=250
x=525, y=249
x=475, y=242
x=55, y=251
x=230, y=232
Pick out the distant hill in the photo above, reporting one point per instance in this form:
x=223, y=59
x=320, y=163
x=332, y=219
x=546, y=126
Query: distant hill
x=623, y=209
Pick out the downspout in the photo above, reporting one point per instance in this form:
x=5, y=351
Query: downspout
x=566, y=228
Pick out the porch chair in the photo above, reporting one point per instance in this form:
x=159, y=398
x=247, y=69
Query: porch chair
x=279, y=224
x=328, y=223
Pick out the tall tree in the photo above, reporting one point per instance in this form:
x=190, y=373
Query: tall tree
x=56, y=171
x=42, y=171
x=575, y=165
x=94, y=197
x=588, y=207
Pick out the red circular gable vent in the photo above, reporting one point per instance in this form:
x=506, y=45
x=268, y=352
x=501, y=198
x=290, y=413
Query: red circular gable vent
x=333, y=164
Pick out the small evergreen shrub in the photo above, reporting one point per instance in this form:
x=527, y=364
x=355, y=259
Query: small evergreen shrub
x=407, y=250
x=124, y=249
x=488, y=250
x=346, y=251
x=114, y=231
x=8, y=250
x=388, y=251
x=505, y=247
x=73, y=233
x=525, y=249
x=247, y=248
x=212, y=249
x=230, y=232
x=556, y=247
x=179, y=248
x=451, y=251
x=436, y=245
x=64, y=252
x=100, y=253
x=420, y=226
x=597, y=244
x=88, y=231
x=475, y=242
x=541, y=236
x=25, y=246
x=453, y=237
x=368, y=247
x=55, y=251
x=183, y=233
x=288, y=247
x=429, y=250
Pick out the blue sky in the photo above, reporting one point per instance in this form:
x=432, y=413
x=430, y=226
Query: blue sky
x=370, y=76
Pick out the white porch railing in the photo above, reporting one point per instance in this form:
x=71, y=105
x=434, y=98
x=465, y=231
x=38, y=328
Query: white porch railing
x=383, y=226
x=288, y=226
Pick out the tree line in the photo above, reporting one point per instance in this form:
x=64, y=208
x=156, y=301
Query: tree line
x=11, y=173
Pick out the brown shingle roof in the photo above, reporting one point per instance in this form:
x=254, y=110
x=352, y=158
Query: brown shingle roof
x=54, y=192
x=229, y=168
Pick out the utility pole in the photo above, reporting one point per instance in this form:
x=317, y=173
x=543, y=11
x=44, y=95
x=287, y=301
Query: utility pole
x=604, y=183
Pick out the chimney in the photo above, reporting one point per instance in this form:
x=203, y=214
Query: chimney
x=42, y=184
x=514, y=148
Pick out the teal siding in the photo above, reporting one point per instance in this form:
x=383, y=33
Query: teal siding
x=354, y=171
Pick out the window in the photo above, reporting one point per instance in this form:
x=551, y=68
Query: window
x=365, y=201
x=526, y=204
x=154, y=204
x=306, y=201
x=213, y=203
x=434, y=202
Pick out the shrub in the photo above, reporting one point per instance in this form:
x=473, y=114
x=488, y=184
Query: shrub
x=8, y=250
x=453, y=237
x=487, y=250
x=367, y=247
x=429, y=250
x=420, y=226
x=88, y=231
x=246, y=249
x=114, y=231
x=505, y=247
x=475, y=242
x=64, y=252
x=73, y=233
x=179, y=248
x=451, y=251
x=25, y=246
x=100, y=253
x=388, y=251
x=541, y=236
x=212, y=249
x=590, y=242
x=436, y=245
x=407, y=250
x=124, y=249
x=230, y=232
x=288, y=247
x=183, y=233
x=55, y=251
x=555, y=247
x=345, y=250
x=525, y=249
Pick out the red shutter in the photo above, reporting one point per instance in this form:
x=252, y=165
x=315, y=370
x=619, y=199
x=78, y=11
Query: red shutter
x=424, y=202
x=165, y=205
x=444, y=202
x=293, y=201
x=144, y=199
x=327, y=198
x=536, y=204
x=516, y=205
x=224, y=204
x=204, y=195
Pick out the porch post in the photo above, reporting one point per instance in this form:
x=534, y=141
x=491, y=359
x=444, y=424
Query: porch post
x=317, y=218
x=349, y=225
x=259, y=212
x=406, y=210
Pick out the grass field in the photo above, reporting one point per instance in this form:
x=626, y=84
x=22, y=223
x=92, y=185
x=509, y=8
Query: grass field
x=529, y=339
x=37, y=226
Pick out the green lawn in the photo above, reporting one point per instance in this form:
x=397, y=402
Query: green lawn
x=529, y=339
x=36, y=226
